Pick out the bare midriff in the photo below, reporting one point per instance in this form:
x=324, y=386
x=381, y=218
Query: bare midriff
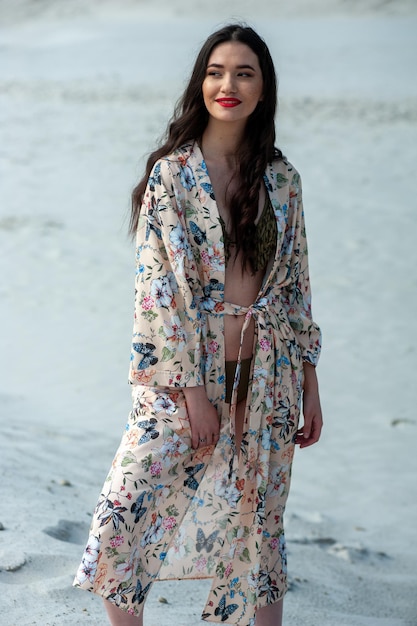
x=241, y=289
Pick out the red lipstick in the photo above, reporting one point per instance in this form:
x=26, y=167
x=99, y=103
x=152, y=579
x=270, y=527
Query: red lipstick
x=228, y=102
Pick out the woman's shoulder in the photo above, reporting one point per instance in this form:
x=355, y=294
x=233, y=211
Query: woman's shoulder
x=178, y=156
x=281, y=163
x=169, y=166
x=176, y=169
x=285, y=172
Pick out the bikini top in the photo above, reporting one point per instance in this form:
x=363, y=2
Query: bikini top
x=265, y=239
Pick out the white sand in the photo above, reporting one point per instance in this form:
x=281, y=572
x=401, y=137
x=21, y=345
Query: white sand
x=85, y=88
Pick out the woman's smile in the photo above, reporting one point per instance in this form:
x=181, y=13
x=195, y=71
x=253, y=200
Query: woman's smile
x=228, y=102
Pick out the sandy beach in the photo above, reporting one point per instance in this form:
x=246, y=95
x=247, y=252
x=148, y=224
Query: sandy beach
x=86, y=89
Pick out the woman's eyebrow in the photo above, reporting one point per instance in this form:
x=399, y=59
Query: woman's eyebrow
x=238, y=67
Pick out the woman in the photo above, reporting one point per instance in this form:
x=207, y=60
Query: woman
x=224, y=348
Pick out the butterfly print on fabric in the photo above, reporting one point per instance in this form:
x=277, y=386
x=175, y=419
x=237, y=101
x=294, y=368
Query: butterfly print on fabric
x=267, y=183
x=191, y=471
x=199, y=235
x=155, y=179
x=146, y=349
x=140, y=593
x=208, y=188
x=152, y=224
x=223, y=610
x=137, y=509
x=213, y=285
x=149, y=428
x=203, y=542
x=208, y=303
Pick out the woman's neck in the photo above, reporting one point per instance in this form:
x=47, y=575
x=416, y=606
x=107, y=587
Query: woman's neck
x=221, y=143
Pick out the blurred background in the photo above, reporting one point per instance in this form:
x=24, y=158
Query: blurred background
x=86, y=90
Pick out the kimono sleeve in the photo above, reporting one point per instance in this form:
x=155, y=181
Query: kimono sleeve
x=167, y=328
x=296, y=295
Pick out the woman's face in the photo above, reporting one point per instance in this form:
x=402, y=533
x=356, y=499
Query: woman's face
x=233, y=85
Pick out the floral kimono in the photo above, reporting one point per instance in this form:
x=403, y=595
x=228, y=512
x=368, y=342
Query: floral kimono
x=170, y=512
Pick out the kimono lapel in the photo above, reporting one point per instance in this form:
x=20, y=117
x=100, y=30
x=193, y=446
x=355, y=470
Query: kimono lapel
x=203, y=222
x=274, y=183
x=209, y=219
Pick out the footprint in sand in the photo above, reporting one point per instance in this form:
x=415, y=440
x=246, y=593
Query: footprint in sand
x=11, y=560
x=21, y=569
x=70, y=532
x=352, y=554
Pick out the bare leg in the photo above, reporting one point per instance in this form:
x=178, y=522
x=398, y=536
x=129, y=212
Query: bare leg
x=118, y=617
x=270, y=615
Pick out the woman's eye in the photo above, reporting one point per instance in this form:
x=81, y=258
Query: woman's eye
x=218, y=74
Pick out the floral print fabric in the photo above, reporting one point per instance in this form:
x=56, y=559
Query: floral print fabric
x=166, y=510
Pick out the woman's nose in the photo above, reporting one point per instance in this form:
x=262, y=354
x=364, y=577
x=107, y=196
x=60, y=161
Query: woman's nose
x=228, y=84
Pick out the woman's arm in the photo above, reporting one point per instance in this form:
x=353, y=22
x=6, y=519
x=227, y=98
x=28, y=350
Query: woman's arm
x=167, y=326
x=296, y=295
x=309, y=433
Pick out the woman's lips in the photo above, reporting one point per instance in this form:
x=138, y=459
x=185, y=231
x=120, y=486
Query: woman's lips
x=228, y=102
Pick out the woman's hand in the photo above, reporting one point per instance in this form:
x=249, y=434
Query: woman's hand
x=204, y=420
x=309, y=433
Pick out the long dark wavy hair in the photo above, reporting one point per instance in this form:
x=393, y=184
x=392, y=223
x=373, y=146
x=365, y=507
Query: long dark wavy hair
x=255, y=151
